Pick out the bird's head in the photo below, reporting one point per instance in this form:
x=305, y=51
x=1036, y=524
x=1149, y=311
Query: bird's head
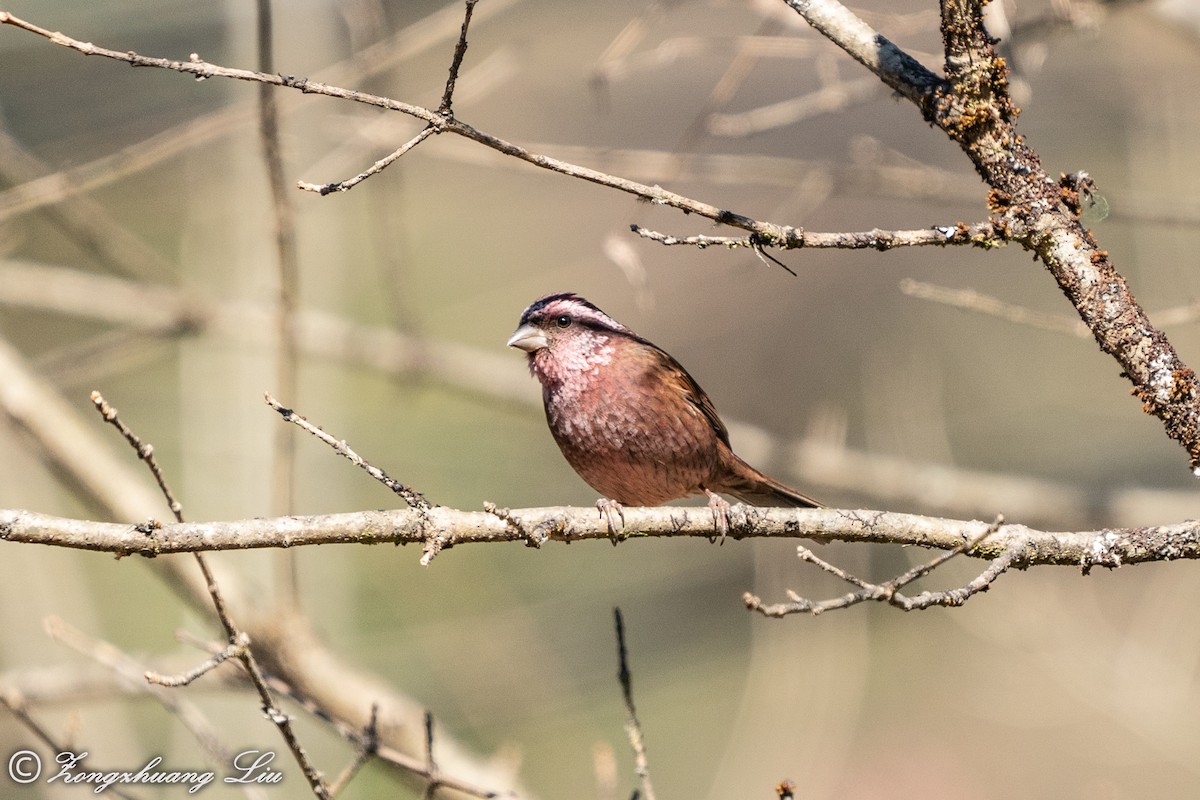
x=564, y=334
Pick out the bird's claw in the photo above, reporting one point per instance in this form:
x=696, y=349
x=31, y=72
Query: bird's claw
x=720, y=511
x=611, y=510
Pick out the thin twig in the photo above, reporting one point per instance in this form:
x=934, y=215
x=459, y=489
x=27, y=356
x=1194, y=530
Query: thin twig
x=632, y=727
x=377, y=167
x=51, y=189
x=533, y=538
x=460, y=50
x=367, y=746
x=888, y=592
x=231, y=650
x=765, y=257
x=144, y=451
x=431, y=768
x=980, y=234
x=15, y=703
x=410, y=495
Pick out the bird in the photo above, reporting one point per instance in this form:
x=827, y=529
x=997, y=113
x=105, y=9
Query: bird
x=630, y=419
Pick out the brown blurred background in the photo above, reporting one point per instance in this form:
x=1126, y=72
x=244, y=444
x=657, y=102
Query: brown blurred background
x=1050, y=685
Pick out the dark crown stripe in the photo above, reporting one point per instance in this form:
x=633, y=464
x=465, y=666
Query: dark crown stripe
x=582, y=311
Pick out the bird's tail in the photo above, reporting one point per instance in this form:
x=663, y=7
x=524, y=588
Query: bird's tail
x=751, y=486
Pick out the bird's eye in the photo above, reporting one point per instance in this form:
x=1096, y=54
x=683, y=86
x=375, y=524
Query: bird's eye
x=562, y=321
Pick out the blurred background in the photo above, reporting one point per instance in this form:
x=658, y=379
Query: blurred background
x=145, y=267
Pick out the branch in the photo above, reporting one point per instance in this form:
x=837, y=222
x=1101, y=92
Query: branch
x=770, y=234
x=973, y=107
x=49, y=190
x=238, y=640
x=411, y=496
x=981, y=234
x=162, y=311
x=889, y=591
x=873, y=50
x=1106, y=547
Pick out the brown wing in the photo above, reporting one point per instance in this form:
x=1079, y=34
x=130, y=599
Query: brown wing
x=677, y=380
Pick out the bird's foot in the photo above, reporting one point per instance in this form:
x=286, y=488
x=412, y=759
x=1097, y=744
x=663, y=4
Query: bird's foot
x=720, y=511
x=611, y=510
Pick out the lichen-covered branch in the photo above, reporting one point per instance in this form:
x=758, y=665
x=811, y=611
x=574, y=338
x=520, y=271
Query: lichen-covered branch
x=972, y=105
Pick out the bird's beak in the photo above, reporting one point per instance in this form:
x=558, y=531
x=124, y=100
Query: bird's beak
x=528, y=338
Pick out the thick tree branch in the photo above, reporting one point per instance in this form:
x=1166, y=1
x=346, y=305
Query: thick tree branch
x=973, y=107
x=1108, y=547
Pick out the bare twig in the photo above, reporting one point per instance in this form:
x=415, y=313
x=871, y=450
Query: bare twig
x=981, y=234
x=632, y=726
x=410, y=495
x=430, y=764
x=231, y=650
x=16, y=705
x=52, y=189
x=533, y=538
x=767, y=258
x=368, y=744
x=888, y=592
x=377, y=167
x=460, y=50
x=144, y=451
